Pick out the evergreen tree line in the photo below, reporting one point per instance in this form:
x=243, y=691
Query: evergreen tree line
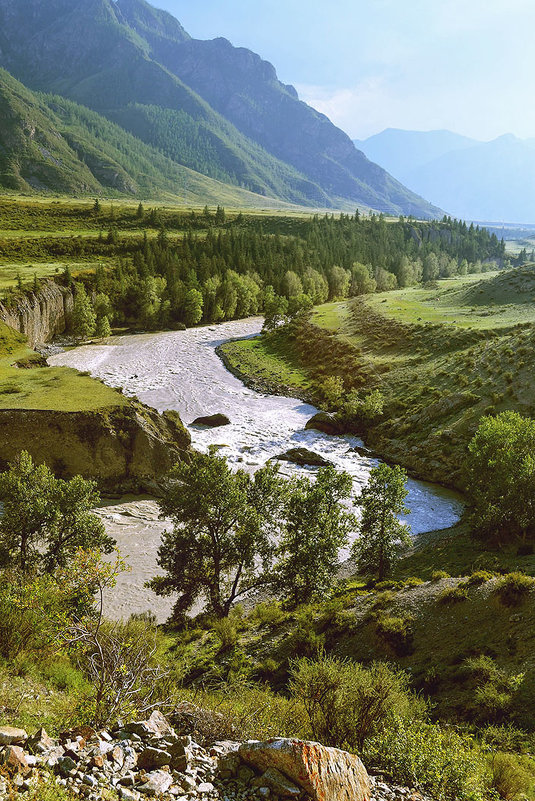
x=233, y=270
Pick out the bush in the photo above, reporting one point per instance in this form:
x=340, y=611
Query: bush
x=226, y=630
x=397, y=632
x=453, y=595
x=347, y=703
x=513, y=588
x=496, y=688
x=383, y=599
x=510, y=777
x=438, y=575
x=413, y=581
x=267, y=614
x=477, y=578
x=441, y=762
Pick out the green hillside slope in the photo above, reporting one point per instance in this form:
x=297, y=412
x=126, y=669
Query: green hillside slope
x=207, y=104
x=51, y=144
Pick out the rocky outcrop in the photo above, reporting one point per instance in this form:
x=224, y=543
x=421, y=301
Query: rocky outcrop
x=324, y=774
x=212, y=421
x=126, y=448
x=40, y=316
x=304, y=458
x=326, y=422
x=150, y=758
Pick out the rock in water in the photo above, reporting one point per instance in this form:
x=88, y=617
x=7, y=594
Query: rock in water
x=304, y=457
x=325, y=774
x=212, y=421
x=324, y=422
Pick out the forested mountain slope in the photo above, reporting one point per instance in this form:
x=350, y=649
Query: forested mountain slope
x=210, y=106
x=52, y=144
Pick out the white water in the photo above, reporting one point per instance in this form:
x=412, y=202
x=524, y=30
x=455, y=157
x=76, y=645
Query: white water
x=181, y=371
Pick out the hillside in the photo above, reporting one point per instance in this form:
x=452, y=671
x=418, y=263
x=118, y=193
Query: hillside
x=212, y=107
x=440, y=359
x=48, y=143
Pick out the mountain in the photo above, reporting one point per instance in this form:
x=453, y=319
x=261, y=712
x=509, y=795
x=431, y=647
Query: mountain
x=486, y=181
x=489, y=181
x=215, y=108
x=50, y=143
x=401, y=152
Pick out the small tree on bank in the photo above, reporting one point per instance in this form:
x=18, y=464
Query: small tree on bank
x=316, y=526
x=220, y=546
x=83, y=318
x=45, y=519
x=500, y=476
x=382, y=535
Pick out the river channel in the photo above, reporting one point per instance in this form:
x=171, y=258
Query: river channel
x=180, y=370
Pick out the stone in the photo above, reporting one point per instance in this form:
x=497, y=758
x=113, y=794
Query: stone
x=362, y=451
x=205, y=787
x=279, y=783
x=304, y=457
x=65, y=765
x=212, y=421
x=157, y=725
x=245, y=774
x=128, y=795
x=151, y=758
x=179, y=756
x=324, y=774
x=325, y=422
x=11, y=736
x=40, y=743
x=13, y=760
x=156, y=783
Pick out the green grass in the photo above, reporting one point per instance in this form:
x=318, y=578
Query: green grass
x=441, y=358
x=495, y=300
x=267, y=361
x=47, y=388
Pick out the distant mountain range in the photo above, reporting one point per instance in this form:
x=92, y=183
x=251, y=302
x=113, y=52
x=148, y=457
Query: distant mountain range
x=488, y=181
x=205, y=105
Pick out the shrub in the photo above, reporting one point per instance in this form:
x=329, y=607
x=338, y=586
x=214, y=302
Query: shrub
x=347, y=703
x=453, y=595
x=496, y=688
x=226, y=630
x=268, y=614
x=492, y=703
x=510, y=777
x=413, y=581
x=397, y=632
x=477, y=578
x=445, y=764
x=438, y=575
x=506, y=738
x=513, y=588
x=383, y=599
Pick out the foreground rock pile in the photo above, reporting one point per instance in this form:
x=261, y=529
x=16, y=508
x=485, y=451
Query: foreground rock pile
x=148, y=759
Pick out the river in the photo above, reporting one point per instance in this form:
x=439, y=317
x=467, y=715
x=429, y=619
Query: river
x=180, y=370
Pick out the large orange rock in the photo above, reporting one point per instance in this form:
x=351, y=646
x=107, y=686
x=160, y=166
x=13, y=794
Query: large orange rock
x=325, y=774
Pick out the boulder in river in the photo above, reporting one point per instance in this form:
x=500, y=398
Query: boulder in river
x=325, y=422
x=304, y=457
x=212, y=421
x=362, y=451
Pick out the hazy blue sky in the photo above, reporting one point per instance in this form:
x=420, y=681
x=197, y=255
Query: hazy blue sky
x=466, y=65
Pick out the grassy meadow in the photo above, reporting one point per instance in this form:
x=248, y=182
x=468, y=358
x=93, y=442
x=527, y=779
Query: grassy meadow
x=441, y=357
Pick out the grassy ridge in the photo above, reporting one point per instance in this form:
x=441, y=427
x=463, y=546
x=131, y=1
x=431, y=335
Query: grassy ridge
x=49, y=388
x=437, y=378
